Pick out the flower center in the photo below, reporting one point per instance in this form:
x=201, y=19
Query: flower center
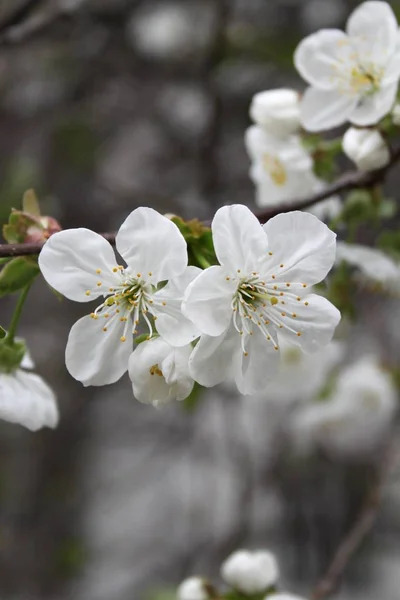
x=155, y=370
x=128, y=300
x=275, y=169
x=365, y=81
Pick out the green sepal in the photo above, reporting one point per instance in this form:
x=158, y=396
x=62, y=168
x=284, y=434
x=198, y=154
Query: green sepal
x=30, y=203
x=14, y=232
x=144, y=337
x=199, y=241
x=17, y=274
x=192, y=401
x=11, y=355
x=3, y=333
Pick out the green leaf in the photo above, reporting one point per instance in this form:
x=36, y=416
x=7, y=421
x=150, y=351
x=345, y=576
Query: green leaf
x=30, y=203
x=17, y=274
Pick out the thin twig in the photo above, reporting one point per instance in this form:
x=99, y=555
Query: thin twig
x=357, y=534
x=348, y=181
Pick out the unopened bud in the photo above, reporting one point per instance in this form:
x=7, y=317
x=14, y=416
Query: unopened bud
x=366, y=148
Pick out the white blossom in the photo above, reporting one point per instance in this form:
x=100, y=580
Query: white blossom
x=281, y=168
x=300, y=376
x=373, y=263
x=396, y=114
x=366, y=148
x=81, y=265
x=277, y=111
x=260, y=287
x=358, y=415
x=282, y=171
x=160, y=373
x=25, y=398
x=192, y=589
x=354, y=75
x=250, y=572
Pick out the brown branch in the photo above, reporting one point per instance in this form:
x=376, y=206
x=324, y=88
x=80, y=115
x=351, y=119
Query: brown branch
x=348, y=181
x=354, y=539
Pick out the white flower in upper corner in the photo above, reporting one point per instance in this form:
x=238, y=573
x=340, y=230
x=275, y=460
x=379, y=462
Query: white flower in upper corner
x=192, y=589
x=26, y=399
x=366, y=148
x=260, y=288
x=357, y=417
x=160, y=373
x=353, y=75
x=250, y=572
x=373, y=263
x=277, y=111
x=282, y=169
x=81, y=265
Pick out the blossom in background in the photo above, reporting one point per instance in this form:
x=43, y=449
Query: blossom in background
x=373, y=263
x=366, y=148
x=281, y=167
x=354, y=75
x=277, y=111
x=300, y=376
x=283, y=596
x=25, y=398
x=250, y=572
x=192, y=589
x=160, y=373
x=282, y=170
x=81, y=265
x=355, y=420
x=261, y=287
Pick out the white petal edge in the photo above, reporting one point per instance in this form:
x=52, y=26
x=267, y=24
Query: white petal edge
x=326, y=109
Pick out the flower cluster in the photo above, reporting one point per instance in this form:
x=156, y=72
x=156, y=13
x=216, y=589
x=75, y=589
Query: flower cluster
x=248, y=573
x=201, y=325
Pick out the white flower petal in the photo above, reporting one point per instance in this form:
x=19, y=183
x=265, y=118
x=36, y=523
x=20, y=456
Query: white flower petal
x=211, y=361
x=326, y=109
x=374, y=263
x=70, y=261
x=171, y=323
x=160, y=373
x=320, y=56
x=151, y=243
x=254, y=371
x=314, y=317
x=238, y=238
x=26, y=399
x=207, y=301
x=303, y=245
x=250, y=572
x=94, y=356
x=374, y=107
x=373, y=27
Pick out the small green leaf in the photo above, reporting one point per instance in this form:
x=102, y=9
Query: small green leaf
x=17, y=274
x=30, y=203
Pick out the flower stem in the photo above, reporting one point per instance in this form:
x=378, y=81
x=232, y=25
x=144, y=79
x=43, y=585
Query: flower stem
x=201, y=260
x=17, y=315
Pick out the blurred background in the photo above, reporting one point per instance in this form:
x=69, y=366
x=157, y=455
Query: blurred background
x=106, y=105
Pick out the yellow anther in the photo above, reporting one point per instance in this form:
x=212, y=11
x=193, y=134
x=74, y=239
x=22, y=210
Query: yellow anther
x=150, y=274
x=281, y=294
x=115, y=269
x=273, y=276
x=299, y=334
x=282, y=302
x=122, y=338
x=164, y=303
x=304, y=285
x=288, y=285
x=267, y=322
x=99, y=283
x=276, y=347
x=245, y=353
x=294, y=315
x=98, y=271
x=275, y=169
x=298, y=298
x=138, y=275
x=104, y=328
x=227, y=278
x=110, y=289
x=274, y=300
x=106, y=316
x=155, y=370
x=281, y=266
x=87, y=293
x=238, y=270
x=283, y=314
x=123, y=319
x=305, y=303
x=270, y=253
x=275, y=287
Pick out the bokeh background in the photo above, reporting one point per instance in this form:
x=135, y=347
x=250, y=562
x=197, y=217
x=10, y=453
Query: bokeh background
x=106, y=105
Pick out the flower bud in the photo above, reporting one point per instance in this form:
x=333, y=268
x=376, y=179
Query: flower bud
x=277, y=111
x=366, y=148
x=192, y=589
x=250, y=572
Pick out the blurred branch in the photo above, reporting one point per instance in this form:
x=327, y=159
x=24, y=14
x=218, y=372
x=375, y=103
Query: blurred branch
x=348, y=181
x=19, y=13
x=34, y=18
x=357, y=534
